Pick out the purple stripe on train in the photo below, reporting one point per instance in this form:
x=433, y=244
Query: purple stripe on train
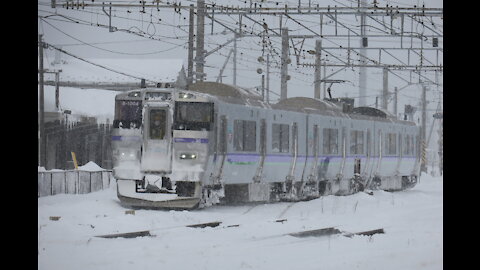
x=190, y=140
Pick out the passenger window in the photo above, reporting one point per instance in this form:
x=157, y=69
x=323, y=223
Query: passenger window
x=391, y=144
x=245, y=135
x=330, y=141
x=280, y=138
x=157, y=124
x=356, y=142
x=409, y=145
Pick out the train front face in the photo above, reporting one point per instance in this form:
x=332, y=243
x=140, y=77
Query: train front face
x=127, y=135
x=174, y=154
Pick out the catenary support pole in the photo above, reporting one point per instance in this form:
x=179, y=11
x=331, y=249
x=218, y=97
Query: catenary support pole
x=268, y=78
x=385, y=90
x=42, y=150
x=395, y=105
x=423, y=135
x=200, y=51
x=362, y=84
x=318, y=51
x=284, y=65
x=235, y=60
x=191, y=30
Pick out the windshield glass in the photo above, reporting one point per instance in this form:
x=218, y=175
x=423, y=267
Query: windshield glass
x=193, y=115
x=158, y=96
x=128, y=114
x=158, y=124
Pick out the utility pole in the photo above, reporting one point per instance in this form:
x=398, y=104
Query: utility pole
x=317, y=79
x=42, y=150
x=363, y=52
x=263, y=87
x=423, y=134
x=385, y=90
x=284, y=65
x=324, y=77
x=190, y=45
x=268, y=78
x=235, y=60
x=395, y=105
x=200, y=59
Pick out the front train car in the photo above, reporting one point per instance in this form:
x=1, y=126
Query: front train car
x=164, y=158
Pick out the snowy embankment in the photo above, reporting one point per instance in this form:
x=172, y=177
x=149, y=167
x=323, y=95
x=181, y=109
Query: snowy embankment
x=412, y=221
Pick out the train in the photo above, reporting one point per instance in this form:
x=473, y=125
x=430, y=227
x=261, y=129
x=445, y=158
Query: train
x=221, y=144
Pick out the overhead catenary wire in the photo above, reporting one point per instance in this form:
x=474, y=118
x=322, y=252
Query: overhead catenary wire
x=107, y=50
x=95, y=64
x=232, y=22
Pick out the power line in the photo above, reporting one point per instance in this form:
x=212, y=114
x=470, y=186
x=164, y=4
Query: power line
x=95, y=64
x=107, y=50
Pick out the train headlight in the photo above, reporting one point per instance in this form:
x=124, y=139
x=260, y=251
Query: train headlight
x=184, y=95
x=188, y=156
x=126, y=154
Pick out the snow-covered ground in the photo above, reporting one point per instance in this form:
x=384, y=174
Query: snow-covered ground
x=412, y=221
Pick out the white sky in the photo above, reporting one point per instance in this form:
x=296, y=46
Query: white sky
x=171, y=33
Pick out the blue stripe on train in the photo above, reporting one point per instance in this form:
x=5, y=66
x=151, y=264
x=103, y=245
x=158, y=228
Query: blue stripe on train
x=190, y=140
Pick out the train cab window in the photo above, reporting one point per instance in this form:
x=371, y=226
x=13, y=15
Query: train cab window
x=158, y=96
x=244, y=135
x=330, y=141
x=128, y=114
x=158, y=124
x=280, y=138
x=391, y=144
x=356, y=142
x=193, y=116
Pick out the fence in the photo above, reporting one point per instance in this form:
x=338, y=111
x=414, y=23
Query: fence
x=72, y=182
x=90, y=142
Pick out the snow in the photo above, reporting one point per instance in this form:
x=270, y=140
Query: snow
x=91, y=167
x=412, y=220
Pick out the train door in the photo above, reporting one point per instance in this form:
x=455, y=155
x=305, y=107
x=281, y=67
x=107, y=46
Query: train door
x=157, y=145
x=291, y=175
x=263, y=150
x=221, y=150
x=344, y=150
x=368, y=154
x=399, y=153
x=313, y=174
x=379, y=153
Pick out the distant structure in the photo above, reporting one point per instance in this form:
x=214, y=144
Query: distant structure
x=164, y=73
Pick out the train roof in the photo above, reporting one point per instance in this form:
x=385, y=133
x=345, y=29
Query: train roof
x=309, y=105
x=139, y=93
x=238, y=95
x=229, y=93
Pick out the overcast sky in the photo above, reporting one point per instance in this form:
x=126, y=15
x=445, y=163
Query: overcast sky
x=164, y=34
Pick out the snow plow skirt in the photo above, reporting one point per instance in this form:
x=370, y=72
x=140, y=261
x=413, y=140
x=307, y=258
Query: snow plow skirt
x=128, y=196
x=180, y=203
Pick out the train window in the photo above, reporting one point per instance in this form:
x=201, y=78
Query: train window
x=158, y=121
x=128, y=114
x=244, y=135
x=391, y=144
x=315, y=141
x=356, y=142
x=330, y=141
x=193, y=115
x=407, y=144
x=158, y=96
x=280, y=138
x=369, y=142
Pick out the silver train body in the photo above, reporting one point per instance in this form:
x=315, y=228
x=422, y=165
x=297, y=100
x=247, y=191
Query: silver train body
x=215, y=143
